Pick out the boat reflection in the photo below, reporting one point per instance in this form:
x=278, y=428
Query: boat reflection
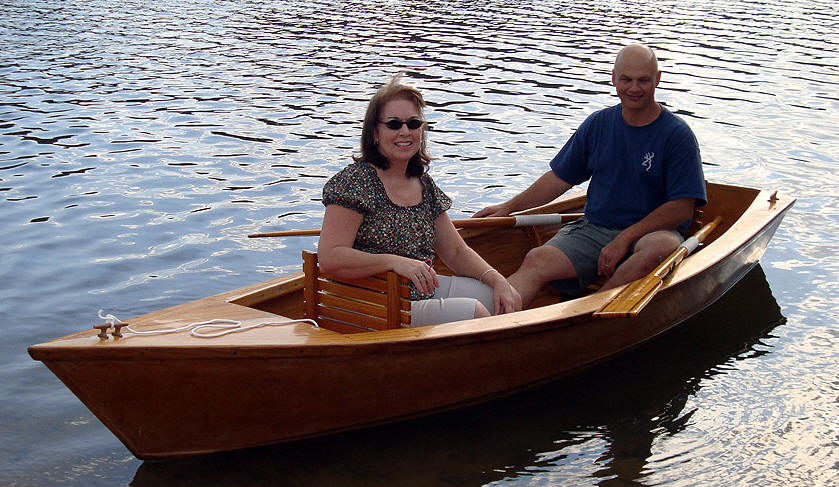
x=617, y=408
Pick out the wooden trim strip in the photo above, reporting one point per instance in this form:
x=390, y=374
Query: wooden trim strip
x=350, y=317
x=362, y=294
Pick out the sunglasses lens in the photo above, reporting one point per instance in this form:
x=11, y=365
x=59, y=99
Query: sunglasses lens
x=394, y=124
x=412, y=124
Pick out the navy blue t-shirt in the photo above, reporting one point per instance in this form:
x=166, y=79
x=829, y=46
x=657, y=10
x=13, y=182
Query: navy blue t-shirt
x=633, y=170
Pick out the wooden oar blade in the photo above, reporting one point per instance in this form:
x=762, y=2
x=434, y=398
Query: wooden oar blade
x=632, y=299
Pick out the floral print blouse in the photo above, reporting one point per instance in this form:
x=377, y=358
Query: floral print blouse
x=388, y=228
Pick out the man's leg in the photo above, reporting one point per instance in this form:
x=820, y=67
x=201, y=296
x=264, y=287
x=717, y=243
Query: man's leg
x=540, y=266
x=649, y=252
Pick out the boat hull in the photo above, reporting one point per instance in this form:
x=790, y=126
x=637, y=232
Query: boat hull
x=169, y=400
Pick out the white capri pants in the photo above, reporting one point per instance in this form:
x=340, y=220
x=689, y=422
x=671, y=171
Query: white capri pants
x=454, y=300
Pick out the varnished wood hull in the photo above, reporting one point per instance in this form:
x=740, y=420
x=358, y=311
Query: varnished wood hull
x=175, y=395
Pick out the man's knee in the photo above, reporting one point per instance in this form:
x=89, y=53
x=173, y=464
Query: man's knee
x=547, y=263
x=657, y=246
x=536, y=259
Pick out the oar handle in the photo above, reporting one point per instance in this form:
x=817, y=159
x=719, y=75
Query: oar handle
x=489, y=222
x=287, y=233
x=703, y=232
x=686, y=248
x=535, y=219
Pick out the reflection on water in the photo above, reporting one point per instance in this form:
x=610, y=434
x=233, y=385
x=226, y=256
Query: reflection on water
x=140, y=142
x=616, y=412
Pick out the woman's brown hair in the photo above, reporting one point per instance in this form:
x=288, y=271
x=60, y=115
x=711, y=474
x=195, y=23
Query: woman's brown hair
x=394, y=90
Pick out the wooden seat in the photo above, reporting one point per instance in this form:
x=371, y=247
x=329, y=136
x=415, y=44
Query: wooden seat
x=379, y=302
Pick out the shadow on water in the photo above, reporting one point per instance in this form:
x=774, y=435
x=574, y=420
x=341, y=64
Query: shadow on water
x=616, y=410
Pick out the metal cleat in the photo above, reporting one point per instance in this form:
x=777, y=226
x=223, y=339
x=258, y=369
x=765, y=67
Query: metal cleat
x=117, y=333
x=103, y=330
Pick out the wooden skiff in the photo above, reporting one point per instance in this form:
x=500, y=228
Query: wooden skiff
x=174, y=394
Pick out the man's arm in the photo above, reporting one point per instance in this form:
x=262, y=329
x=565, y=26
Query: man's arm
x=544, y=190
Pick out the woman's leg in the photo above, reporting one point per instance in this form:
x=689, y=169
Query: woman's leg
x=457, y=298
x=464, y=287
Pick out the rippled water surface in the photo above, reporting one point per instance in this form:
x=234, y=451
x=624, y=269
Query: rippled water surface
x=140, y=142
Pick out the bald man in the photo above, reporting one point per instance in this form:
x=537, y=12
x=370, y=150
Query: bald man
x=645, y=179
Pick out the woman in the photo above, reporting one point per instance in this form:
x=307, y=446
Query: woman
x=384, y=213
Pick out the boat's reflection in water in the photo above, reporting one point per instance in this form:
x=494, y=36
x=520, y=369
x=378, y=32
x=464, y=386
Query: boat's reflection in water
x=618, y=408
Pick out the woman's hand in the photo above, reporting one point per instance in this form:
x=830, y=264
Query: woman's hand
x=419, y=272
x=505, y=298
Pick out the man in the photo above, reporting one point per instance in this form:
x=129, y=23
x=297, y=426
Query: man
x=645, y=179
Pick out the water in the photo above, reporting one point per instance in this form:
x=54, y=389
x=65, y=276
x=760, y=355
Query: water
x=140, y=142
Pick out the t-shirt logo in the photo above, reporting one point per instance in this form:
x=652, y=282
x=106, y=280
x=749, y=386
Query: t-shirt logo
x=647, y=163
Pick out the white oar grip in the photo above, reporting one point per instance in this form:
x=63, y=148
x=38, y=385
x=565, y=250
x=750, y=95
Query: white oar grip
x=538, y=219
x=690, y=244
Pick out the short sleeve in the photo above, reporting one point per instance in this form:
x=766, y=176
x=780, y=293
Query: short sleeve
x=348, y=188
x=440, y=203
x=570, y=164
x=685, y=178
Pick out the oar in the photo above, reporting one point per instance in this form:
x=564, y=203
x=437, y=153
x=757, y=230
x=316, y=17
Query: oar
x=499, y=221
x=637, y=294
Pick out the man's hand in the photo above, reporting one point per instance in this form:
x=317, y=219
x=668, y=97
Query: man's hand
x=494, y=210
x=611, y=255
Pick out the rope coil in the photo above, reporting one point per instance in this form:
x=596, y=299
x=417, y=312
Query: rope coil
x=227, y=326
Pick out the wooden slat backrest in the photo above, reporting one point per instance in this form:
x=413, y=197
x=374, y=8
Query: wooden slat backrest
x=377, y=302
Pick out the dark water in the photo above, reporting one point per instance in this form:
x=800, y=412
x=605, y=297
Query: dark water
x=141, y=141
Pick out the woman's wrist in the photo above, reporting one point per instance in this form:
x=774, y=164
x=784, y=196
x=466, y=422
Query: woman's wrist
x=482, y=275
x=492, y=278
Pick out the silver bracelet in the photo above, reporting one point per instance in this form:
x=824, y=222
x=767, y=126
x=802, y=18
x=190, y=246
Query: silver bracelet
x=481, y=278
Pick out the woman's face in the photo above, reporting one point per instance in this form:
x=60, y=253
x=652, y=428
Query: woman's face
x=398, y=145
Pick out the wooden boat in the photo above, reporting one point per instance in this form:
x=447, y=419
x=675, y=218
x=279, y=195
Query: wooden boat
x=173, y=394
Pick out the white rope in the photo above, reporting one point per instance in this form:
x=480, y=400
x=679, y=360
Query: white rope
x=236, y=327
x=111, y=319
x=227, y=326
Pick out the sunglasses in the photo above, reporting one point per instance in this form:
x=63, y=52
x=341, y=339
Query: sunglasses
x=395, y=124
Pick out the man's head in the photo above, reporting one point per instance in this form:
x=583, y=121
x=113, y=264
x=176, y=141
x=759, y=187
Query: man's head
x=635, y=76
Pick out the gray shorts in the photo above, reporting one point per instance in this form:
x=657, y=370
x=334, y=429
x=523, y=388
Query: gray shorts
x=581, y=241
x=454, y=300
